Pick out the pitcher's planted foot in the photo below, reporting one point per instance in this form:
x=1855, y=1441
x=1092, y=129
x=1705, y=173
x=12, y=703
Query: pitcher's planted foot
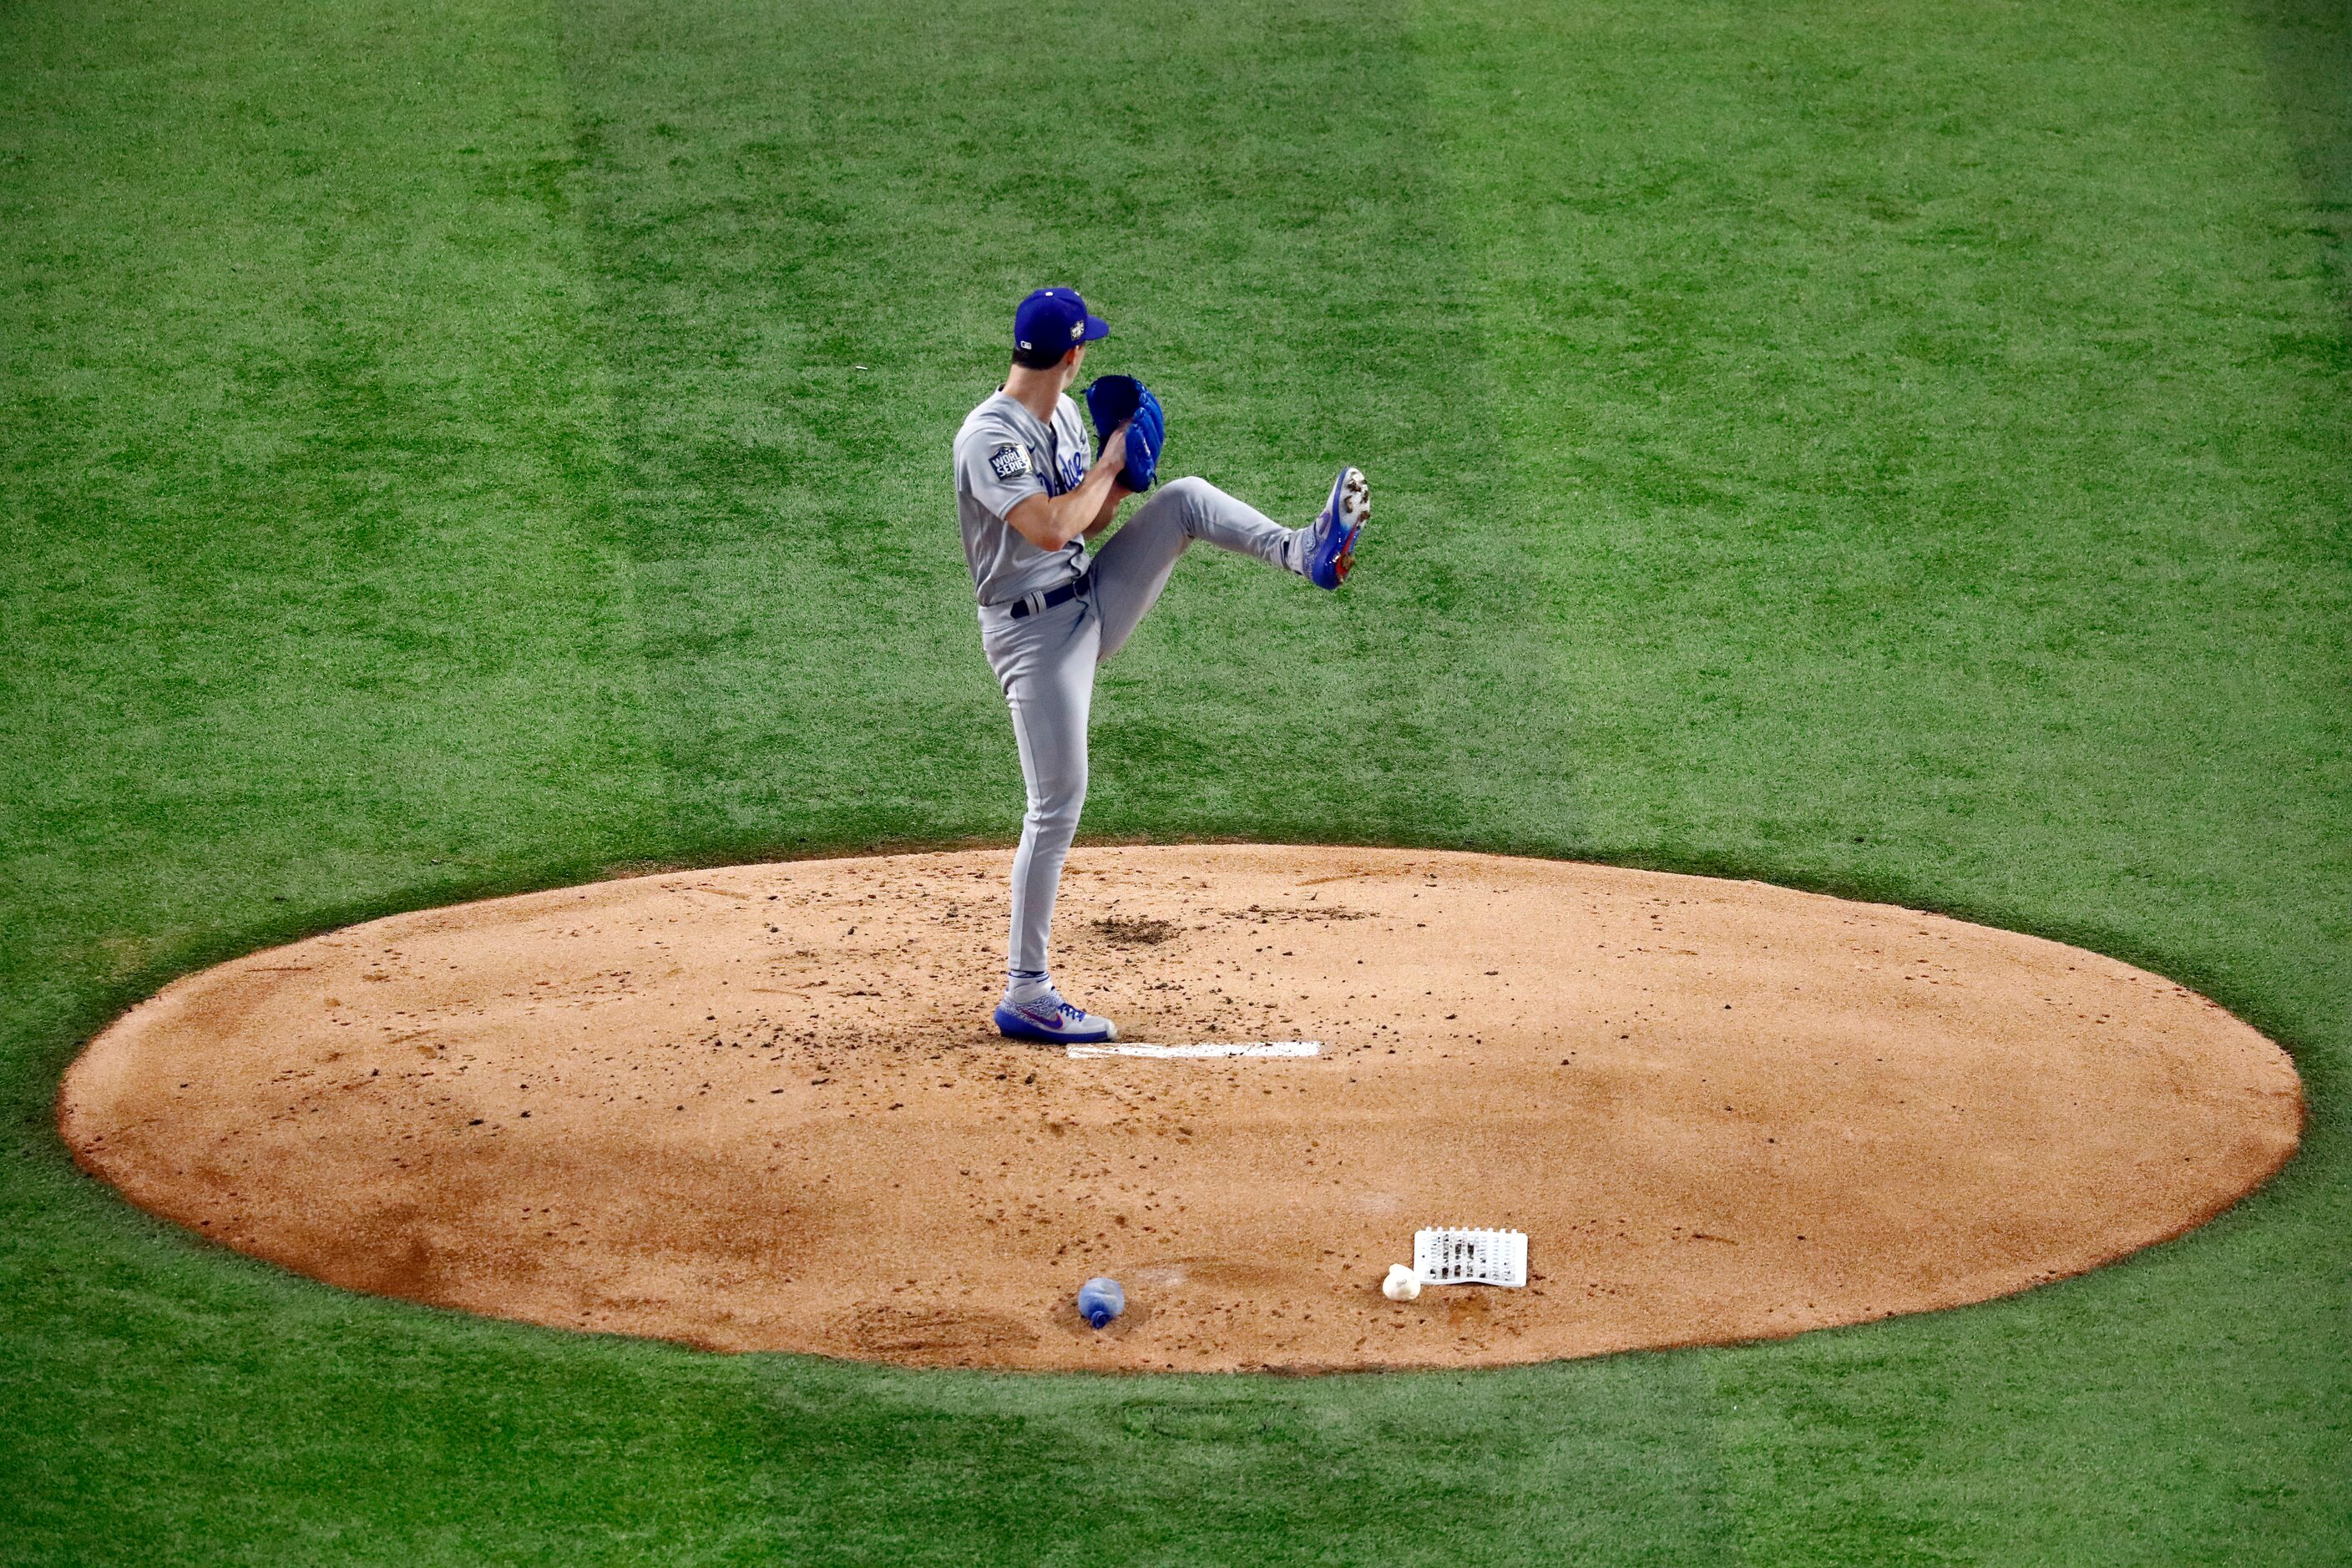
x=1045, y=1017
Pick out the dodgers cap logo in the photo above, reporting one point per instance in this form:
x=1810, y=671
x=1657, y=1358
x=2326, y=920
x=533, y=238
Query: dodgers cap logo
x=1048, y=322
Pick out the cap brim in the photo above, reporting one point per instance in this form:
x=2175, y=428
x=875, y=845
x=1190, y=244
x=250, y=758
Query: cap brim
x=1096, y=328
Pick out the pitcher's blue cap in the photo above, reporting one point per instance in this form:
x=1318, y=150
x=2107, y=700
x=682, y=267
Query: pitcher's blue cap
x=1049, y=322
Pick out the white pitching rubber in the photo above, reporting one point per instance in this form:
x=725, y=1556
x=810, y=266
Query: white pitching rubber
x=1206, y=1048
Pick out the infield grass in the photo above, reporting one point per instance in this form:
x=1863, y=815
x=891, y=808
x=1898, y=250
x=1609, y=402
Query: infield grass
x=1895, y=449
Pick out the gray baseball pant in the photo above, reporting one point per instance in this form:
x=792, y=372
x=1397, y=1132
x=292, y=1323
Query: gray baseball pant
x=1046, y=663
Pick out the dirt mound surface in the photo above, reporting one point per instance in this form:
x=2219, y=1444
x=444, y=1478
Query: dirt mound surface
x=762, y=1109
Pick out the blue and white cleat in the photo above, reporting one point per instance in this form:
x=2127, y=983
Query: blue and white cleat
x=1052, y=1021
x=1331, y=546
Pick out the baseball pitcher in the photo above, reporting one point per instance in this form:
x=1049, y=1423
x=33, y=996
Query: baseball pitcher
x=1030, y=500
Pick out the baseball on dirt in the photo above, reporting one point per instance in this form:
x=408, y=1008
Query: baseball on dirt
x=1402, y=1284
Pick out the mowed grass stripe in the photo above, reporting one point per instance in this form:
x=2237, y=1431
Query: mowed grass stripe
x=1941, y=417
x=311, y=612
x=811, y=227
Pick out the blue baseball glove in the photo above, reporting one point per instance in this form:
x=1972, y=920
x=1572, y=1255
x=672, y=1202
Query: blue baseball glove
x=1113, y=398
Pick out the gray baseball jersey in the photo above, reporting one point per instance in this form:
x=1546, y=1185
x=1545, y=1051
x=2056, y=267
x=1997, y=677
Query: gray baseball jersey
x=1004, y=455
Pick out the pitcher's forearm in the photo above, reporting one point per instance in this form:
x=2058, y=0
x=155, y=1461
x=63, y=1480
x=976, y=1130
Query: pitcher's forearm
x=1119, y=492
x=1050, y=523
x=1084, y=511
x=1083, y=508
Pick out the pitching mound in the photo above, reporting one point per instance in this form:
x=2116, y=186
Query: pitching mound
x=762, y=1109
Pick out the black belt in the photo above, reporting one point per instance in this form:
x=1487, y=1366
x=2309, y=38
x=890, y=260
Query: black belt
x=1038, y=604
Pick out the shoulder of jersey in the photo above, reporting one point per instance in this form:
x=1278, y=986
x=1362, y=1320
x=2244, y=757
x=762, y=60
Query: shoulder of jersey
x=982, y=419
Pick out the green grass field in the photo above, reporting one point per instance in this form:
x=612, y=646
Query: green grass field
x=471, y=445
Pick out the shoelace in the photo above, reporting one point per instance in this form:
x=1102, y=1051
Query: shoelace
x=1052, y=1016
